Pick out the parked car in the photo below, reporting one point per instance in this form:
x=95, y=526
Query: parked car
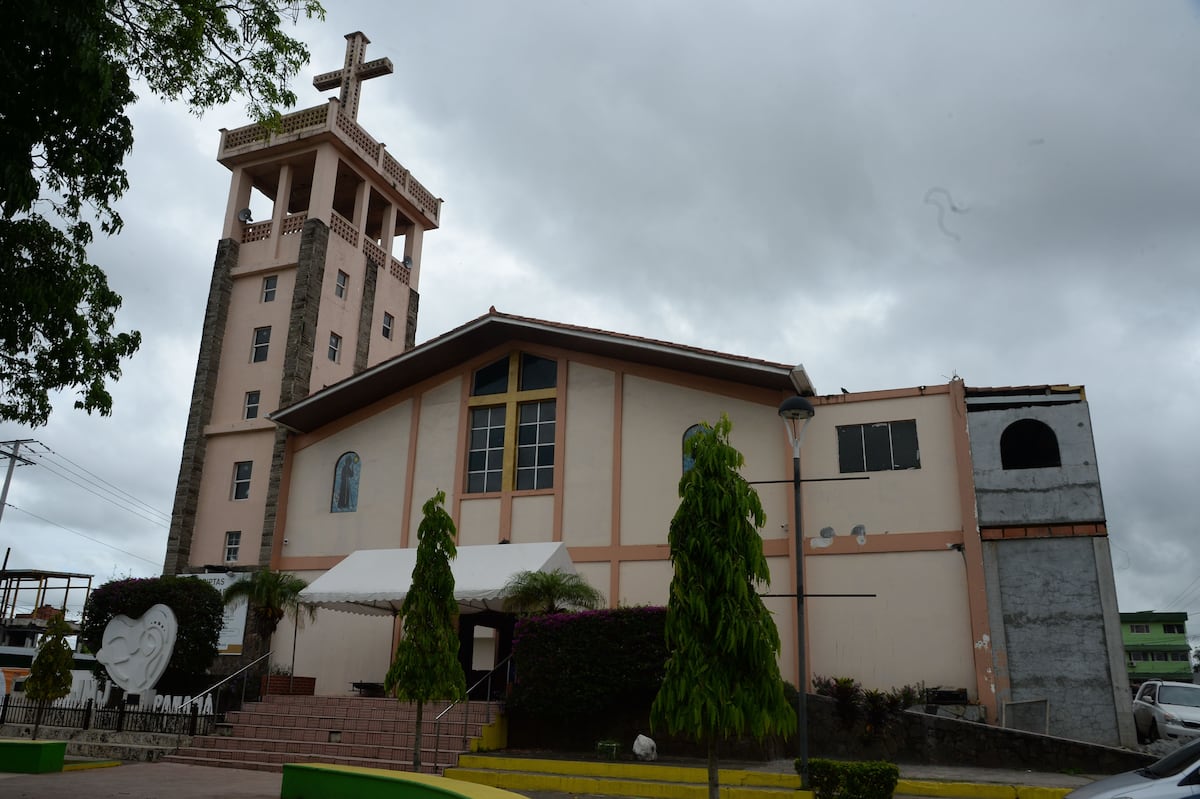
x=1176, y=776
x=1165, y=709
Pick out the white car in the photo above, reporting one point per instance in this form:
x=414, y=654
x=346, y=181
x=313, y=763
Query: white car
x=1176, y=776
x=1164, y=709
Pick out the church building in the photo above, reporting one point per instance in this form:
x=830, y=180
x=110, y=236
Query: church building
x=950, y=535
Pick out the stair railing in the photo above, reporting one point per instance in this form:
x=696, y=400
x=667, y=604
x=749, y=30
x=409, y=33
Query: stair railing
x=209, y=690
x=437, y=726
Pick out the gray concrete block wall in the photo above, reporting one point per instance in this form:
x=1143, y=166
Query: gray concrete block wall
x=1047, y=595
x=1054, y=495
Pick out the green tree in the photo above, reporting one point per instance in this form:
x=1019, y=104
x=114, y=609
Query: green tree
x=197, y=608
x=50, y=674
x=721, y=678
x=64, y=135
x=426, y=664
x=549, y=592
x=272, y=596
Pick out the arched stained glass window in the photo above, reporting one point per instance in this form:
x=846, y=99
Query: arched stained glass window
x=345, y=484
x=688, y=461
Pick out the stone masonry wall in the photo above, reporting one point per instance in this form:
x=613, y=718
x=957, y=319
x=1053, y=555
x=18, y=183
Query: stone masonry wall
x=191, y=466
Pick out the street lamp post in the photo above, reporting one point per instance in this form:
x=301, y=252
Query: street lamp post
x=795, y=412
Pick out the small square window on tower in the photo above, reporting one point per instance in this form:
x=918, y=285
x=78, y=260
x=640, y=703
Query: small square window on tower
x=233, y=542
x=389, y=325
x=251, y=408
x=335, y=347
x=339, y=289
x=270, y=283
x=262, y=343
x=241, y=479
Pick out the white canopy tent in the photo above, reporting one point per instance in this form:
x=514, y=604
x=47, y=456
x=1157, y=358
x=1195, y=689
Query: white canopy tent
x=376, y=581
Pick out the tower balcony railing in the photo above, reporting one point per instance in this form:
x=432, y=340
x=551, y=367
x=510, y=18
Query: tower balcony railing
x=328, y=119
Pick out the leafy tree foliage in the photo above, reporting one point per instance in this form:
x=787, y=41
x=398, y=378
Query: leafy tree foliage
x=195, y=603
x=50, y=673
x=272, y=596
x=721, y=677
x=64, y=135
x=549, y=592
x=426, y=664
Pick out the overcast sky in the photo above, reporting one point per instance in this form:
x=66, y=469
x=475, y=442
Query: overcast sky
x=889, y=193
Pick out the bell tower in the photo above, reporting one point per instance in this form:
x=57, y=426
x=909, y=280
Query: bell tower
x=319, y=291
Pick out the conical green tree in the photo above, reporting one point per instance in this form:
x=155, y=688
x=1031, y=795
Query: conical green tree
x=426, y=664
x=50, y=672
x=721, y=678
x=272, y=596
x=549, y=592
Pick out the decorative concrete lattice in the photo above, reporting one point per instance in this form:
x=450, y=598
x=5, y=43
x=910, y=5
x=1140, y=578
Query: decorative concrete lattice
x=359, y=137
x=293, y=224
x=374, y=252
x=315, y=117
x=400, y=272
x=343, y=228
x=256, y=232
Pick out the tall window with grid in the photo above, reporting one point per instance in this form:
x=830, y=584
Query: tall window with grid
x=512, y=418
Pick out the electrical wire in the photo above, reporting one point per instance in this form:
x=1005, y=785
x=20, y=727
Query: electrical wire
x=82, y=535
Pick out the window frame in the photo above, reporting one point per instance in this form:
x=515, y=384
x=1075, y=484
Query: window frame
x=250, y=408
x=1174, y=628
x=335, y=347
x=341, y=285
x=870, y=457
x=261, y=344
x=512, y=399
x=233, y=545
x=270, y=287
x=389, y=325
x=1139, y=628
x=241, y=485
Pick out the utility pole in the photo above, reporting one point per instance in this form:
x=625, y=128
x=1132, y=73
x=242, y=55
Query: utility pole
x=13, y=457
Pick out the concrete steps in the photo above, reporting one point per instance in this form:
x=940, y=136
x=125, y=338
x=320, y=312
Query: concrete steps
x=354, y=731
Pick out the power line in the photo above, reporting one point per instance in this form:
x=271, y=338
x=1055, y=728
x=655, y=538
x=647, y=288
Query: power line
x=110, y=500
x=98, y=479
x=82, y=535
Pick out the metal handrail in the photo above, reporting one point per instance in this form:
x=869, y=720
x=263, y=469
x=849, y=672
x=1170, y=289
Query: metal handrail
x=209, y=690
x=437, y=726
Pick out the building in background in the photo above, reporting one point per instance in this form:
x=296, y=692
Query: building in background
x=317, y=431
x=1156, y=647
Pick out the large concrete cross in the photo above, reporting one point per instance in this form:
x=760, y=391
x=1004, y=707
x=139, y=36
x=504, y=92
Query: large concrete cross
x=353, y=73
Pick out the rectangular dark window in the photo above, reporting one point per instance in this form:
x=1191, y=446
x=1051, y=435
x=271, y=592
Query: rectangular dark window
x=233, y=542
x=1138, y=657
x=1174, y=629
x=270, y=283
x=1139, y=628
x=262, y=343
x=389, y=324
x=878, y=447
x=537, y=372
x=485, y=453
x=335, y=347
x=1161, y=656
x=535, y=445
x=1179, y=656
x=241, y=479
x=251, y=407
x=339, y=288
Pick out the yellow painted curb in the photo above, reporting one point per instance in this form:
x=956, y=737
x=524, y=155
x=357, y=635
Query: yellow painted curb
x=974, y=790
x=637, y=771
x=613, y=786
x=110, y=763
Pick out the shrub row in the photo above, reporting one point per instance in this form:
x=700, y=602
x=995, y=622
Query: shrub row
x=835, y=779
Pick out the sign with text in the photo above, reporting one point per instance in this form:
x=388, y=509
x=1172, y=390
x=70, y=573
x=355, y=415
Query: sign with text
x=234, y=628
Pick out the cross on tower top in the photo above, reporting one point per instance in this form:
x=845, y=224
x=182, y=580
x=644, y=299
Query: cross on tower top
x=353, y=73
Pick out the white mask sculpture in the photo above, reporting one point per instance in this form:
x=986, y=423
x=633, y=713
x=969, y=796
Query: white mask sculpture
x=136, y=651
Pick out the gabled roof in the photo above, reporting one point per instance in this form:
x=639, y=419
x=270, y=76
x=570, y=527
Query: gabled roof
x=463, y=343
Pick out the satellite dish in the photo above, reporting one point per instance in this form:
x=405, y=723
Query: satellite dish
x=244, y=216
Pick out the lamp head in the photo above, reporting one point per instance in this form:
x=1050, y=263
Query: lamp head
x=795, y=412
